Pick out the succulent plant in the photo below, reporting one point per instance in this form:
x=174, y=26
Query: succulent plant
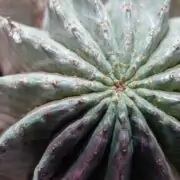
x=94, y=94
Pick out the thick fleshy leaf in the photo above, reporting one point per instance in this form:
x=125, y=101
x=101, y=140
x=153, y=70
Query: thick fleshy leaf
x=22, y=145
x=113, y=101
x=94, y=17
x=168, y=81
x=119, y=166
x=153, y=25
x=67, y=140
x=166, y=128
x=151, y=163
x=123, y=28
x=29, y=12
x=167, y=54
x=139, y=19
x=35, y=51
x=37, y=89
x=169, y=102
x=93, y=153
x=69, y=31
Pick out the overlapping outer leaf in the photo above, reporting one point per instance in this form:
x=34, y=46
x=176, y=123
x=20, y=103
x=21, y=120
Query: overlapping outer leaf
x=95, y=94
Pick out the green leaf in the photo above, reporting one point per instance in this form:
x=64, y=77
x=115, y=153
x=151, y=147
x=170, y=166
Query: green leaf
x=67, y=140
x=149, y=161
x=22, y=145
x=166, y=56
x=66, y=28
x=119, y=164
x=169, y=102
x=36, y=51
x=93, y=152
x=168, y=81
x=166, y=128
x=139, y=27
x=21, y=93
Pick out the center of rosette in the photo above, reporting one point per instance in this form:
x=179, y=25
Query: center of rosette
x=120, y=86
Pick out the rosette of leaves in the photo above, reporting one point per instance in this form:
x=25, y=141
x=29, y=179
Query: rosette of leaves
x=94, y=93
